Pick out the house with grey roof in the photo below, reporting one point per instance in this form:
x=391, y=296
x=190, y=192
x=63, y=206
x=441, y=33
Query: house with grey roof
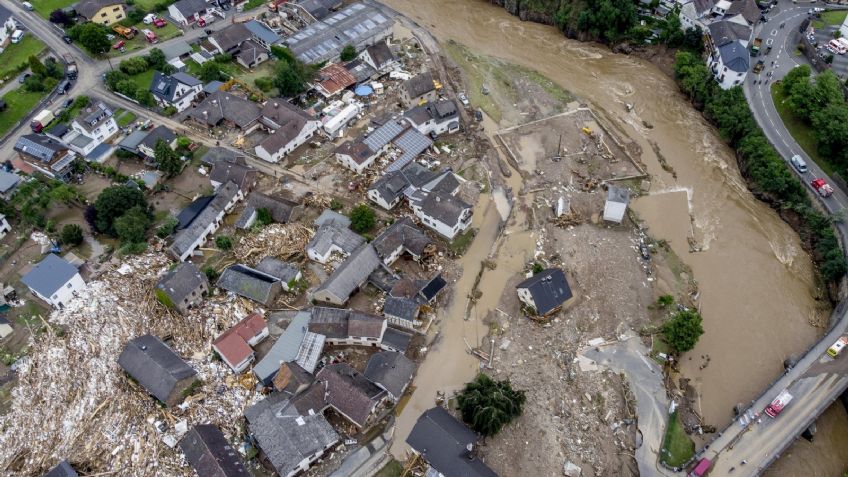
x=359, y=154
x=205, y=223
x=343, y=327
x=447, y=446
x=392, y=187
x=290, y=441
x=351, y=394
x=396, y=340
x=94, y=125
x=434, y=117
x=350, y=275
x=317, y=9
x=250, y=283
x=226, y=110
x=545, y=292
x=54, y=280
x=62, y=469
x=8, y=183
x=419, y=89
x=390, y=371
x=380, y=57
x=446, y=214
x=262, y=34
x=399, y=238
x=284, y=272
x=177, y=90
x=186, y=12
x=332, y=217
x=289, y=127
x=147, y=146
x=48, y=156
x=156, y=367
x=233, y=169
x=616, y=204
x=183, y=287
x=209, y=453
x=406, y=298
x=295, y=344
x=282, y=210
x=729, y=58
x=332, y=238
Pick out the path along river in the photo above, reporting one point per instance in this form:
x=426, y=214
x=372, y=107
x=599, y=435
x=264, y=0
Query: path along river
x=756, y=283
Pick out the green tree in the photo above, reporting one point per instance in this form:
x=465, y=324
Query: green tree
x=830, y=126
x=167, y=227
x=113, y=202
x=134, y=66
x=263, y=216
x=211, y=71
x=362, y=218
x=665, y=301
x=348, y=53
x=693, y=77
x=92, y=37
x=211, y=274
x=283, y=53
x=291, y=78
x=488, y=405
x=156, y=59
x=37, y=67
x=131, y=226
x=71, y=234
x=168, y=159
x=683, y=330
x=224, y=242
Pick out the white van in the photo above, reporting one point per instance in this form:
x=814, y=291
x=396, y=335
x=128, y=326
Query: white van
x=17, y=36
x=148, y=19
x=27, y=5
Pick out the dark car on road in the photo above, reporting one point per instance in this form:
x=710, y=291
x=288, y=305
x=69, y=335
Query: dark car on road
x=67, y=103
x=67, y=39
x=23, y=77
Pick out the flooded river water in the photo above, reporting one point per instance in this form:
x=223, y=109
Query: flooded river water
x=756, y=283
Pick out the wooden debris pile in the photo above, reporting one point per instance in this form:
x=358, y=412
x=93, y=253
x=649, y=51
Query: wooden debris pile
x=282, y=241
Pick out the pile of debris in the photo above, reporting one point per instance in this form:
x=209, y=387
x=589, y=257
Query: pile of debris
x=282, y=241
x=74, y=401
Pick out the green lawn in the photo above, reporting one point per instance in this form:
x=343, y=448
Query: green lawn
x=251, y=4
x=17, y=54
x=147, y=5
x=18, y=104
x=124, y=118
x=462, y=241
x=392, y=469
x=834, y=17
x=678, y=448
x=143, y=80
x=801, y=131
x=139, y=42
x=44, y=7
x=232, y=69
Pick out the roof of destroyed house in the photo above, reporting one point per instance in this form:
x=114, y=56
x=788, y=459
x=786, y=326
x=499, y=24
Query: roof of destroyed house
x=192, y=210
x=232, y=36
x=735, y=56
x=319, y=9
x=190, y=7
x=358, y=151
x=165, y=88
x=360, y=70
x=352, y=273
x=286, y=347
x=180, y=282
x=132, y=141
x=283, y=271
x=419, y=84
x=91, y=116
x=154, y=365
x=233, y=343
x=310, y=401
x=49, y=275
x=725, y=31
x=401, y=307
x=175, y=49
x=285, y=436
x=89, y=8
x=261, y=32
x=249, y=283
x=281, y=209
x=220, y=106
x=332, y=217
x=443, y=207
x=618, y=194
x=380, y=53
x=231, y=170
x=747, y=8
x=401, y=234
x=446, y=182
x=341, y=323
x=8, y=181
x=215, y=154
x=290, y=377
x=310, y=351
x=393, y=184
x=210, y=454
x=186, y=237
x=325, y=39
x=412, y=143
x=349, y=392
x=62, y=469
x=443, y=442
x=390, y=370
x=334, y=78
x=250, y=53
x=432, y=288
x=333, y=234
x=157, y=133
x=39, y=147
x=549, y=289
x=396, y=339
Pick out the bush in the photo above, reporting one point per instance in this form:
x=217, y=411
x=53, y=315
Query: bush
x=169, y=111
x=167, y=227
x=132, y=225
x=336, y=205
x=211, y=274
x=348, y=53
x=164, y=298
x=71, y=235
x=134, y=66
x=112, y=203
x=665, y=300
x=538, y=268
x=224, y=242
x=264, y=84
x=263, y=216
x=683, y=330
x=362, y=218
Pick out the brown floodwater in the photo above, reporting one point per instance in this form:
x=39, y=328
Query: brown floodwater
x=756, y=283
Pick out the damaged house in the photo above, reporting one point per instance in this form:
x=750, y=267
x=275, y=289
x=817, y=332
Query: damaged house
x=210, y=454
x=392, y=187
x=332, y=238
x=289, y=128
x=438, y=207
x=183, y=287
x=349, y=277
x=390, y=371
x=54, y=280
x=351, y=394
x=157, y=369
x=434, y=118
x=347, y=327
x=545, y=292
x=447, y=446
x=296, y=344
x=419, y=89
x=236, y=170
x=204, y=222
x=399, y=238
x=235, y=346
x=281, y=210
x=250, y=283
x=228, y=111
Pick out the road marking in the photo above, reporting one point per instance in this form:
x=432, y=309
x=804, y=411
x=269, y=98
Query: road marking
x=774, y=33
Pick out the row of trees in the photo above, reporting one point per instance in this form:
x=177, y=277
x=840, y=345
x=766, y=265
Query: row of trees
x=45, y=76
x=121, y=80
x=290, y=74
x=768, y=175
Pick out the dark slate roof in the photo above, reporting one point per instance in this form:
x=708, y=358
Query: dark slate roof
x=58, y=130
x=250, y=52
x=397, y=339
x=747, y=8
x=39, y=147
x=549, y=289
x=249, y=283
x=154, y=365
x=191, y=211
x=232, y=36
x=261, y=32
x=444, y=208
x=89, y=8
x=735, y=56
x=190, y=7
x=433, y=287
x=445, y=182
x=724, y=32
x=8, y=181
x=352, y=273
x=335, y=234
x=181, y=281
x=286, y=120
x=319, y=8
x=49, y=275
x=5, y=13
x=220, y=106
x=310, y=400
x=419, y=84
x=284, y=349
x=210, y=454
x=198, y=226
x=391, y=371
x=380, y=53
x=62, y=469
x=443, y=442
x=703, y=6
x=285, y=436
x=349, y=392
x=332, y=217
x=164, y=87
x=157, y=133
x=216, y=154
x=337, y=323
x=231, y=170
x=281, y=209
x=401, y=234
x=401, y=307
x=278, y=269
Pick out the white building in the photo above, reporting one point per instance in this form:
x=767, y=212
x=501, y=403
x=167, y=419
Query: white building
x=7, y=24
x=436, y=117
x=95, y=125
x=187, y=11
x=178, y=90
x=54, y=280
x=205, y=223
x=616, y=204
x=290, y=127
x=4, y=226
x=334, y=126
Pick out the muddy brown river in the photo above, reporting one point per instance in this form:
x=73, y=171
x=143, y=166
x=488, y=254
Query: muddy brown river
x=756, y=284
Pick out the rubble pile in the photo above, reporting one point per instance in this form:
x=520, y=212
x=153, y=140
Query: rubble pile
x=75, y=402
x=282, y=241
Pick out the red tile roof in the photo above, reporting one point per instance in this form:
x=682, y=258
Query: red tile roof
x=232, y=344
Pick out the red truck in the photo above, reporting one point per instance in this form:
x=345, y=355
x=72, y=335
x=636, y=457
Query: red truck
x=823, y=188
x=701, y=468
x=781, y=401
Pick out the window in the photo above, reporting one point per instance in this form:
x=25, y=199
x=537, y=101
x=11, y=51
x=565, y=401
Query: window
x=116, y=9
x=103, y=14
x=68, y=286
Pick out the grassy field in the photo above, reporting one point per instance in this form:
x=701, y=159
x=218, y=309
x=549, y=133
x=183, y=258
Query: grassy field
x=678, y=448
x=18, y=104
x=138, y=42
x=143, y=80
x=392, y=469
x=147, y=5
x=18, y=53
x=801, y=132
x=124, y=118
x=834, y=17
x=44, y=7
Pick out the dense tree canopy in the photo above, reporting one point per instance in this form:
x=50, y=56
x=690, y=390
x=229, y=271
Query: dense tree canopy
x=488, y=405
x=114, y=202
x=683, y=330
x=132, y=225
x=168, y=160
x=92, y=37
x=362, y=218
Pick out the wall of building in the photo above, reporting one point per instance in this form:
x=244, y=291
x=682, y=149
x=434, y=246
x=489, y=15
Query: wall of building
x=109, y=14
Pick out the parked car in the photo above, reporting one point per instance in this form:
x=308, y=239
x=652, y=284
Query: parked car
x=67, y=103
x=799, y=164
x=23, y=77
x=17, y=36
x=160, y=22
x=463, y=99
x=27, y=5
x=67, y=39
x=119, y=45
x=110, y=36
x=148, y=19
